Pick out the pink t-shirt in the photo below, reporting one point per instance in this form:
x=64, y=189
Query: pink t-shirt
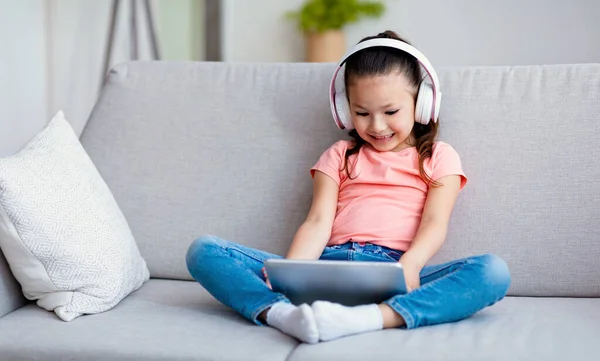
x=383, y=202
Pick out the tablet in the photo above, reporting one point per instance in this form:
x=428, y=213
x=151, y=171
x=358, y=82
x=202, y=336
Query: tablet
x=350, y=283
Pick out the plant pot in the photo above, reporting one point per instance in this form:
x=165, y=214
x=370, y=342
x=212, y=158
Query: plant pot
x=328, y=46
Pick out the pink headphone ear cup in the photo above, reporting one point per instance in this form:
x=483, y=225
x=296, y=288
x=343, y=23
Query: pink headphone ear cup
x=424, y=103
x=343, y=109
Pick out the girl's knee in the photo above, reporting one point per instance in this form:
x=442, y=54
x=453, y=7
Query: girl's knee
x=202, y=247
x=496, y=273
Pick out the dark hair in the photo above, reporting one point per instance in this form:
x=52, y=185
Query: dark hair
x=382, y=61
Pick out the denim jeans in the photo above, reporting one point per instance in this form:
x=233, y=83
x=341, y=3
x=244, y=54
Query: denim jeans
x=449, y=292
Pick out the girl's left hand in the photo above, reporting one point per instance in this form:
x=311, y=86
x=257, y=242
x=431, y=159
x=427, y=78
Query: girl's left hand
x=264, y=272
x=411, y=273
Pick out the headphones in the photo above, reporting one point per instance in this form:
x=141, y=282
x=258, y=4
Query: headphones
x=428, y=98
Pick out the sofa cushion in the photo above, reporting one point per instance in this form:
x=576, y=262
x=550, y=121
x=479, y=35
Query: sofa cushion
x=514, y=329
x=63, y=235
x=164, y=320
x=194, y=148
x=178, y=320
x=11, y=296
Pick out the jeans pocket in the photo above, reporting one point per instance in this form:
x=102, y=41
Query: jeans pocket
x=391, y=255
x=332, y=249
x=336, y=252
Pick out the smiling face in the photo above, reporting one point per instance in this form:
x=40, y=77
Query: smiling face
x=383, y=110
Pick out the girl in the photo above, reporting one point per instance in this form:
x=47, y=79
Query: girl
x=386, y=196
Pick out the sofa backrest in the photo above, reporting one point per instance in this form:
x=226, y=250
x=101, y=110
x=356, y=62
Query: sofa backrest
x=194, y=148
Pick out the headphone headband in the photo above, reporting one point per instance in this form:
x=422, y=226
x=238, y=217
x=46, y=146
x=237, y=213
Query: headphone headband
x=396, y=44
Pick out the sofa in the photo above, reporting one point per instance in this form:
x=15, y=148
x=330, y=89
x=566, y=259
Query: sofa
x=193, y=148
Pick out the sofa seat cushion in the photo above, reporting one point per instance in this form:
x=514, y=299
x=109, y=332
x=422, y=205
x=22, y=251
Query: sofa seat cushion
x=514, y=329
x=164, y=320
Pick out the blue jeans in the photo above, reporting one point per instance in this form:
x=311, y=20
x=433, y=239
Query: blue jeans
x=449, y=292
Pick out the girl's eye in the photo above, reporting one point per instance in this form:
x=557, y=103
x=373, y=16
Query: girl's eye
x=362, y=114
x=391, y=112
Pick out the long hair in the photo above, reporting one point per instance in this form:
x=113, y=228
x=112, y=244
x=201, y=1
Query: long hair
x=382, y=61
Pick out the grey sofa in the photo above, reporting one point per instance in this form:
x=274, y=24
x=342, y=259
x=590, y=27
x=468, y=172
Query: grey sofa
x=195, y=148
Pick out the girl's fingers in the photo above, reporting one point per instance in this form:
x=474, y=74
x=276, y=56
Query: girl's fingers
x=266, y=276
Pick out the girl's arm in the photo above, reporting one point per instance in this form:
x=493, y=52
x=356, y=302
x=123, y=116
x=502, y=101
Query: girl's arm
x=434, y=223
x=313, y=235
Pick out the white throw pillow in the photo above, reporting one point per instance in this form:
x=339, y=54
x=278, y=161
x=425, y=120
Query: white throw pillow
x=61, y=231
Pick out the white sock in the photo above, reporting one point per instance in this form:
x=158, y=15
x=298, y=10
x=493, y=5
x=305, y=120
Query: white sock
x=335, y=320
x=296, y=321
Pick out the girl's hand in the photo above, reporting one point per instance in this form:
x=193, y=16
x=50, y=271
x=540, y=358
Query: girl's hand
x=264, y=272
x=411, y=273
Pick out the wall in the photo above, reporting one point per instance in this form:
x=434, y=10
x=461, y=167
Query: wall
x=23, y=85
x=449, y=32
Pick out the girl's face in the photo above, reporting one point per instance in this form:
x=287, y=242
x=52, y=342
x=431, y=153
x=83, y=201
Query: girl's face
x=382, y=109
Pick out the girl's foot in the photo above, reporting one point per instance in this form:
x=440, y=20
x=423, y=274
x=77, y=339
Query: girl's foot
x=335, y=320
x=296, y=321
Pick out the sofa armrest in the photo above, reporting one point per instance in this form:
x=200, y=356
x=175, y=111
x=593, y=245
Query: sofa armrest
x=11, y=296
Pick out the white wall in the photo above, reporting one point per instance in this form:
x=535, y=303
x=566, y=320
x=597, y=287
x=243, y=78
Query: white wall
x=449, y=32
x=23, y=85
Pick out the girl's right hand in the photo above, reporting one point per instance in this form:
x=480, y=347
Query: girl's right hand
x=264, y=272
x=411, y=273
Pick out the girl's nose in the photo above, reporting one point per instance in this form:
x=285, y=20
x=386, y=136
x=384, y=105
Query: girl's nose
x=377, y=124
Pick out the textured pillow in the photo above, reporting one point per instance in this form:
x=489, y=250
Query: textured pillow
x=61, y=231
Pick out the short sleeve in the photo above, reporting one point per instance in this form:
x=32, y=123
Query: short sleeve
x=446, y=161
x=330, y=162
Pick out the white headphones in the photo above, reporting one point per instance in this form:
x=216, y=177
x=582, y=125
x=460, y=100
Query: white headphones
x=428, y=98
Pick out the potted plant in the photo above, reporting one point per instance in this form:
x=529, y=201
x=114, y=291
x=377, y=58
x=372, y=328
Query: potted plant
x=322, y=22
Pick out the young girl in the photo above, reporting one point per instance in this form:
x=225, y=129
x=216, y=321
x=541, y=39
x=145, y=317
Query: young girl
x=386, y=196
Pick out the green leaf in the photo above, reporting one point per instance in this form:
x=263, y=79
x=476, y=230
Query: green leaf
x=322, y=15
